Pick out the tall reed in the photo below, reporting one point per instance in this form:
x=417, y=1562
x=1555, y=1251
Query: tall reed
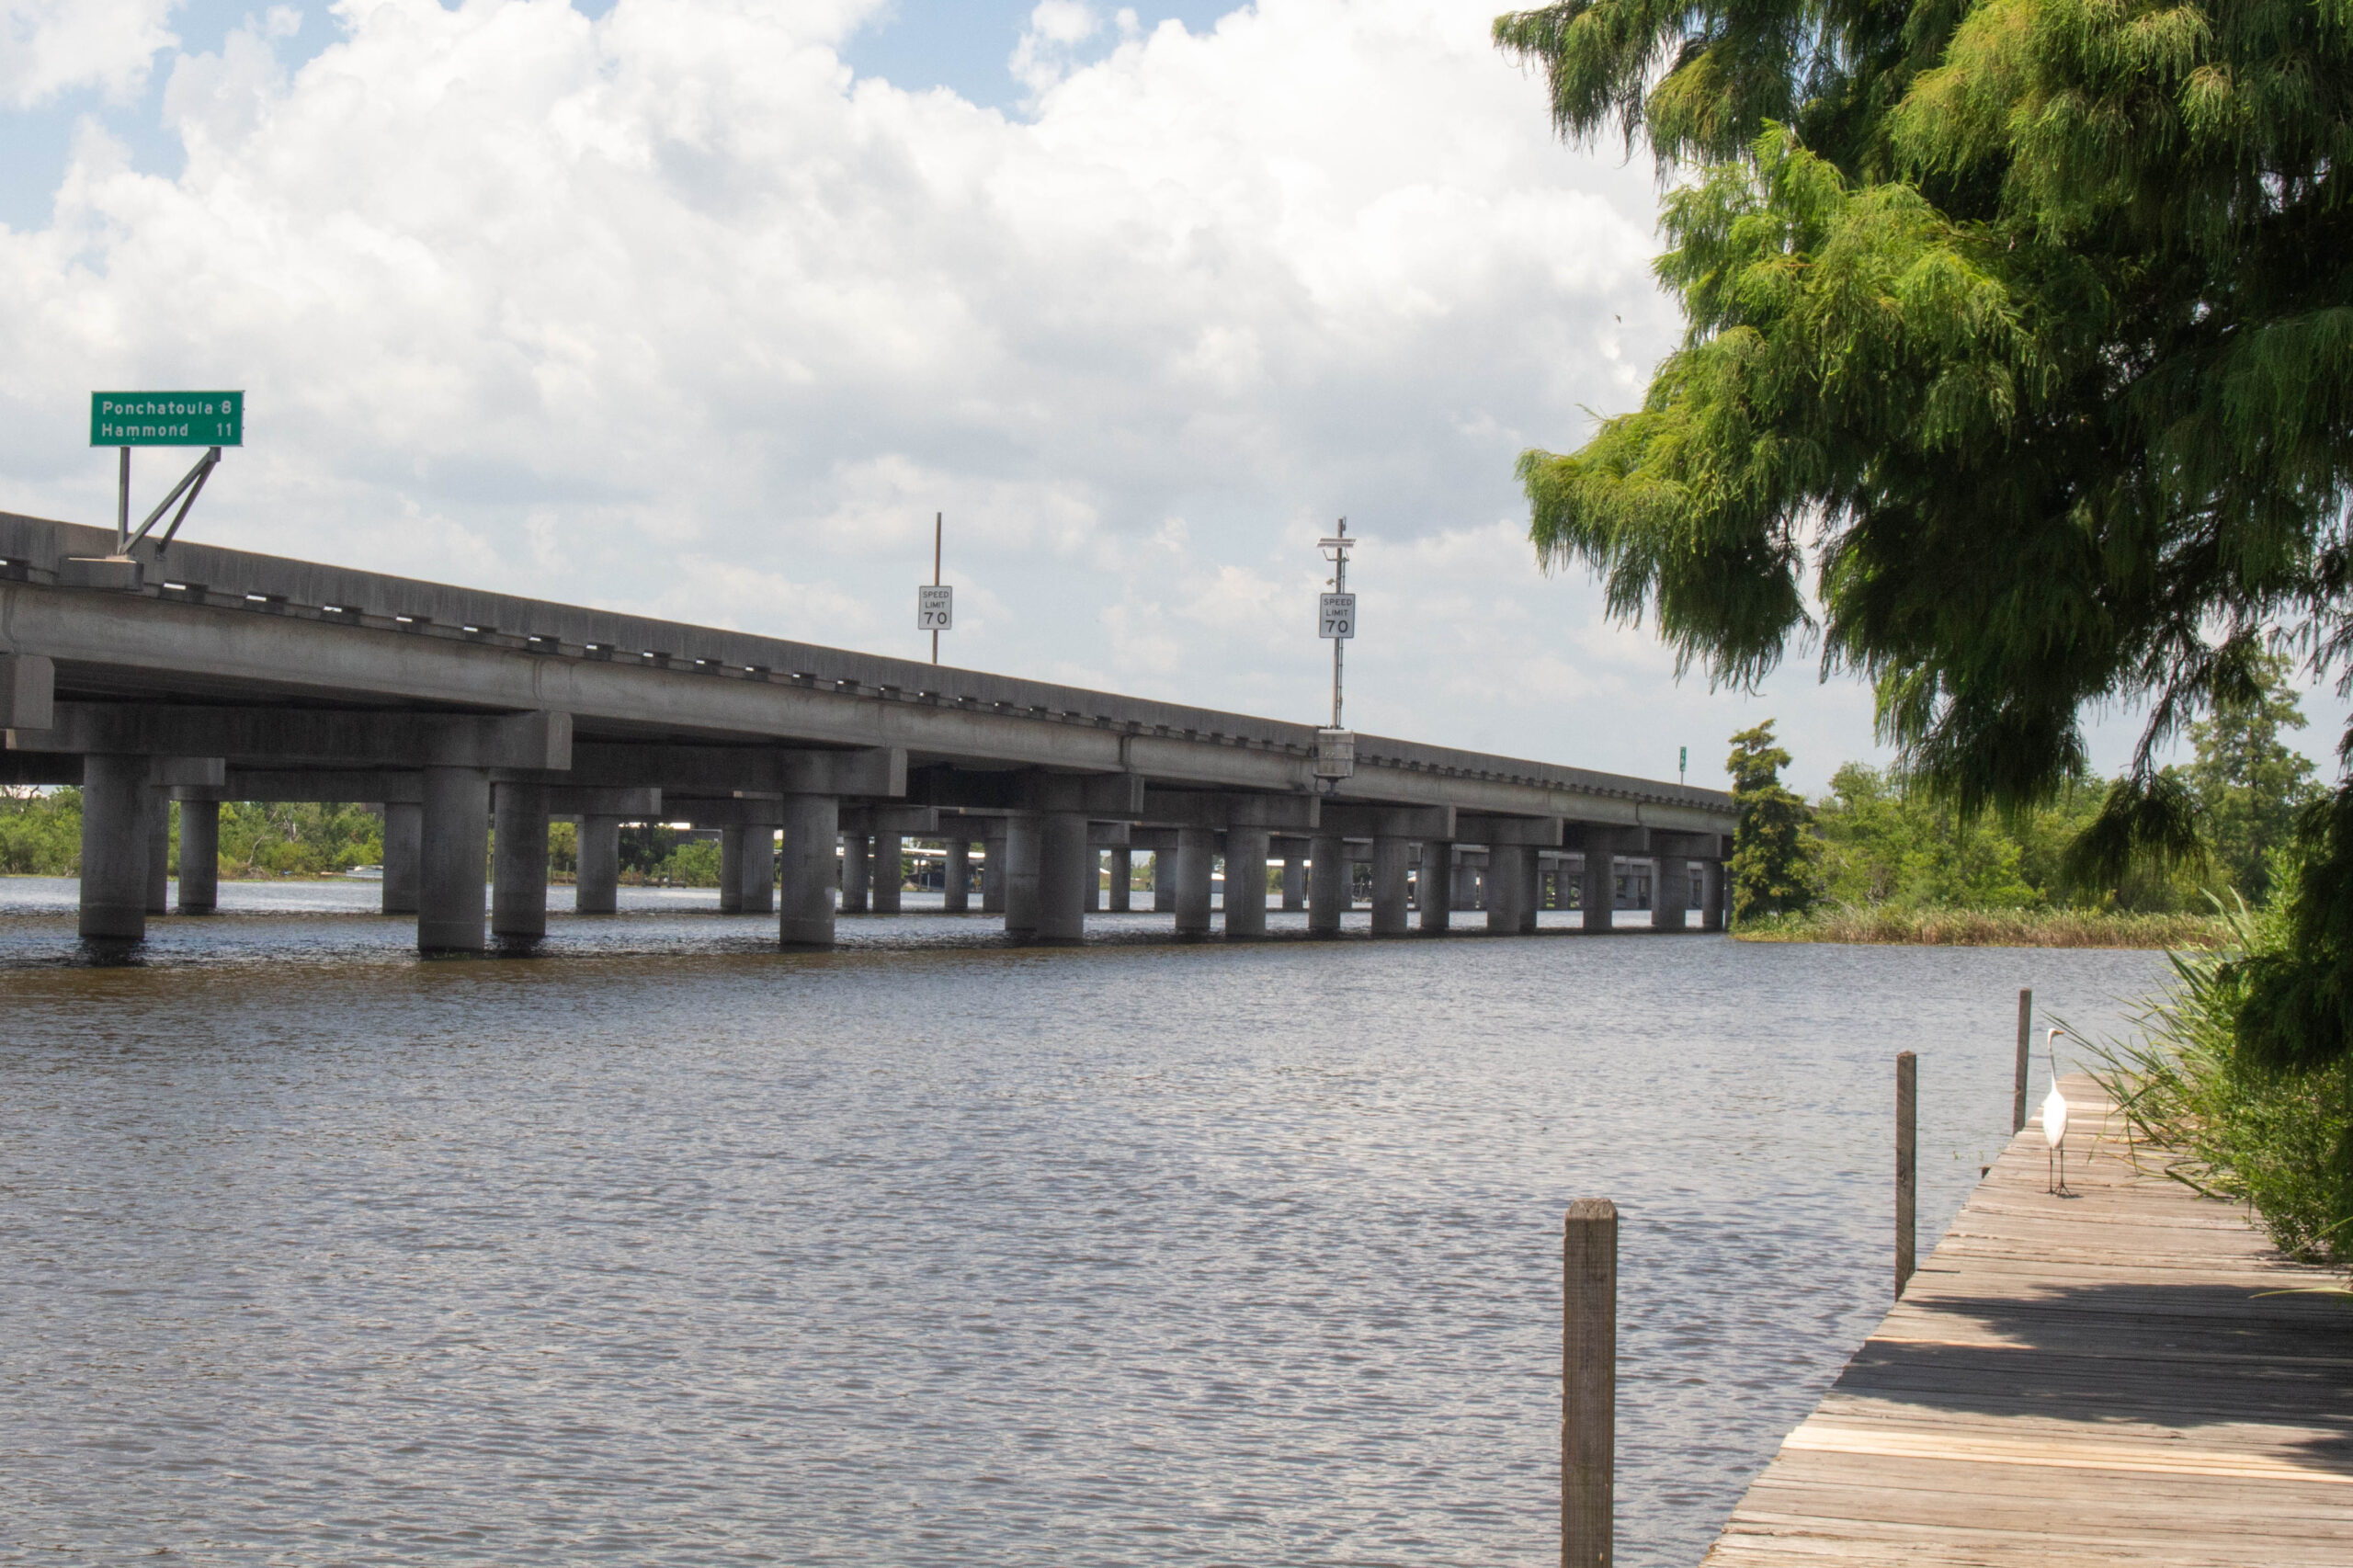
x=2282, y=1142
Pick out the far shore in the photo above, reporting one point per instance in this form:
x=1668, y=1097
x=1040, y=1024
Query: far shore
x=1992, y=928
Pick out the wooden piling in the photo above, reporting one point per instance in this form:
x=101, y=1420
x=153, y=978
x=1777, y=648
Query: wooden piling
x=1588, y=1382
x=1907, y=1166
x=2018, y=1084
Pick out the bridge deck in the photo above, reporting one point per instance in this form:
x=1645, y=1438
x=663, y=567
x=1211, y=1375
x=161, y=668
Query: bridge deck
x=2097, y=1378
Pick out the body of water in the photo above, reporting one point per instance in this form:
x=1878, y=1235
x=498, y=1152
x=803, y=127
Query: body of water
x=665, y=1247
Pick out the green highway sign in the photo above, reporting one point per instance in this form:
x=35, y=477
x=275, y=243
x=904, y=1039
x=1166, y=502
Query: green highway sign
x=167, y=419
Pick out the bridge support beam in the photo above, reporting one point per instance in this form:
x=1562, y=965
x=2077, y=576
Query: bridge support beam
x=200, y=856
x=596, y=885
x=159, y=849
x=886, y=871
x=731, y=870
x=1066, y=872
x=1670, y=892
x=1327, y=884
x=456, y=841
x=856, y=874
x=1597, y=888
x=756, y=885
x=115, y=795
x=993, y=879
x=805, y=899
x=956, y=896
x=1091, y=895
x=1021, y=859
x=1294, y=876
x=1246, y=881
x=1123, y=873
x=1392, y=868
x=518, y=879
x=404, y=853
x=1711, y=895
x=1194, y=864
x=1434, y=886
x=1511, y=893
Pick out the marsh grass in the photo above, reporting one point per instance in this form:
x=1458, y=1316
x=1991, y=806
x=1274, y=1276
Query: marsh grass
x=1991, y=928
x=2282, y=1142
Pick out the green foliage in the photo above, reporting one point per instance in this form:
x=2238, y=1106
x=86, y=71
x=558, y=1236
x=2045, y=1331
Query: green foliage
x=2019, y=340
x=1772, y=857
x=2021, y=325
x=298, y=838
x=694, y=864
x=2278, y=1137
x=41, y=832
x=2250, y=787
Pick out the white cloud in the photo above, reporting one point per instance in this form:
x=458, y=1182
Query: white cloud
x=666, y=309
x=51, y=46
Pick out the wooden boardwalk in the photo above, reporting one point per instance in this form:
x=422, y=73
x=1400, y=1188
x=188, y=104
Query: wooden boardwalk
x=2075, y=1380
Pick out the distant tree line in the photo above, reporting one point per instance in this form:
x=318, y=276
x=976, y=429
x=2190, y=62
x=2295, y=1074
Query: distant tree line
x=1871, y=840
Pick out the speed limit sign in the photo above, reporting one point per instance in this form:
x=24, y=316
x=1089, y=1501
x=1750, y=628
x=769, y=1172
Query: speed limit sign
x=935, y=607
x=1336, y=615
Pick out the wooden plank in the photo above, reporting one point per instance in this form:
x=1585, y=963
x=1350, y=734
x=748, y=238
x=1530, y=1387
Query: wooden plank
x=2095, y=1379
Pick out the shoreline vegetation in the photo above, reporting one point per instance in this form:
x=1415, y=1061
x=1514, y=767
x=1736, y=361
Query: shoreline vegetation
x=1886, y=925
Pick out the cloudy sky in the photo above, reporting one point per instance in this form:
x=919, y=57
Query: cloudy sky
x=703, y=308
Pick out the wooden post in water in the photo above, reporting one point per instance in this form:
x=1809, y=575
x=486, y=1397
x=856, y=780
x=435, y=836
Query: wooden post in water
x=1588, y=1382
x=2018, y=1084
x=1907, y=1164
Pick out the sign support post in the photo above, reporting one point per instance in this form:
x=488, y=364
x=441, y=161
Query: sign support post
x=1337, y=618
x=935, y=601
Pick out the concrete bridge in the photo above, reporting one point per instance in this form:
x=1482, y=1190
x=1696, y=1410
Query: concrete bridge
x=205, y=674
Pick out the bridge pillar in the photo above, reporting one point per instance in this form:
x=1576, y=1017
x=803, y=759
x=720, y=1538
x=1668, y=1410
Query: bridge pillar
x=403, y=849
x=805, y=900
x=731, y=870
x=887, y=872
x=596, y=885
x=1294, y=876
x=455, y=843
x=1392, y=866
x=1434, y=889
x=1066, y=872
x=1123, y=873
x=1163, y=880
x=1597, y=888
x=518, y=879
x=1021, y=845
x=1670, y=892
x=115, y=794
x=1195, y=864
x=993, y=871
x=856, y=874
x=1327, y=884
x=759, y=882
x=159, y=849
x=1711, y=895
x=1506, y=889
x=956, y=896
x=200, y=856
x=1091, y=895
x=1246, y=881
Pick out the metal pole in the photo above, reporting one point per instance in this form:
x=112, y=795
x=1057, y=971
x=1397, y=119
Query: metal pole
x=1907, y=1166
x=2017, y=1084
x=122, y=508
x=1588, y=1382
x=1340, y=585
x=935, y=518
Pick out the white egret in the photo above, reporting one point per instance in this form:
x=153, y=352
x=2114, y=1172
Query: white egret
x=2054, y=1121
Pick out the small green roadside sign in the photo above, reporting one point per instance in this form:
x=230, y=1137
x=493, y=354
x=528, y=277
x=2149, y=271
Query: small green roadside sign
x=167, y=419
